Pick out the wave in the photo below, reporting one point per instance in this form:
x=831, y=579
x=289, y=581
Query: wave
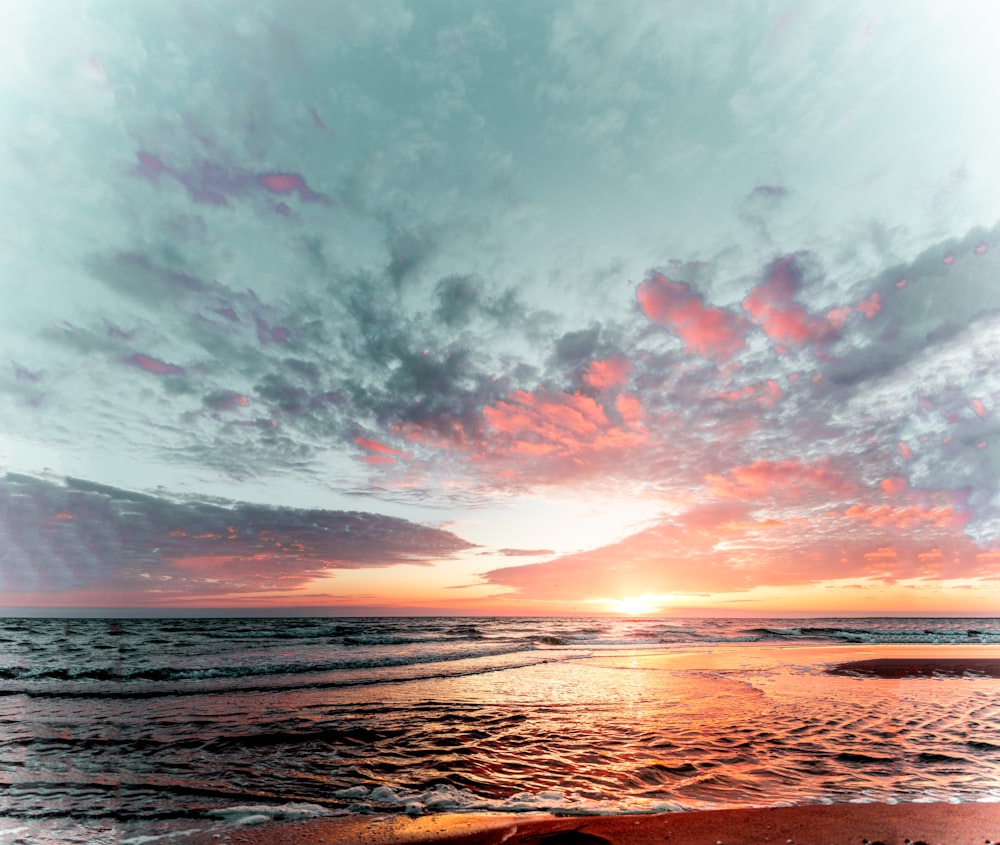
x=166, y=674
x=871, y=635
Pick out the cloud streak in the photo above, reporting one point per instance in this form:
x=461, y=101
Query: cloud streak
x=76, y=538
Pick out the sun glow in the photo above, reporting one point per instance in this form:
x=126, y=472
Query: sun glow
x=635, y=606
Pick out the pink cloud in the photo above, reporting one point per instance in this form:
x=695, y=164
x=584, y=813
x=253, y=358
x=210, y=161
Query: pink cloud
x=905, y=516
x=630, y=408
x=883, y=554
x=894, y=486
x=772, y=306
x=787, y=480
x=766, y=394
x=216, y=183
x=282, y=183
x=910, y=508
x=287, y=183
x=871, y=305
x=557, y=417
x=378, y=453
x=154, y=365
x=610, y=372
x=572, y=432
x=705, y=329
x=838, y=316
x=724, y=547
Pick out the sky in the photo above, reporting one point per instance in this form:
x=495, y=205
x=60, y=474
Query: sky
x=500, y=307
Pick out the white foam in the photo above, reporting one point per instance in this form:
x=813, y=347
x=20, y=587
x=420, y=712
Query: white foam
x=258, y=813
x=384, y=795
x=445, y=798
x=143, y=839
x=352, y=792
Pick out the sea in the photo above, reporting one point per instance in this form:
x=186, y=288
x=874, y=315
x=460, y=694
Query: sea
x=146, y=730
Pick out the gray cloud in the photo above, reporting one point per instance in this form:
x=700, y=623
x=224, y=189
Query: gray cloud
x=72, y=535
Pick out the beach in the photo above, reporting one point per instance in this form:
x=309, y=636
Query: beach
x=933, y=824
x=487, y=730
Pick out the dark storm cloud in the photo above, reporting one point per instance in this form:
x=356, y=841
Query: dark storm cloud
x=58, y=537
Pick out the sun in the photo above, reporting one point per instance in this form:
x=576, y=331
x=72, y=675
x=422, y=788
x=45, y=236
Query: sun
x=634, y=606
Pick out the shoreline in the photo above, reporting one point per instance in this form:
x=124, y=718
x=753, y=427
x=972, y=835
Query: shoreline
x=814, y=824
x=841, y=823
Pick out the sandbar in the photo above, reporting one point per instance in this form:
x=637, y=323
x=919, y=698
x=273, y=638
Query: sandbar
x=919, y=667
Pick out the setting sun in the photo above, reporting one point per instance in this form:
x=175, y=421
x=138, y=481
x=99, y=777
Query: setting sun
x=636, y=605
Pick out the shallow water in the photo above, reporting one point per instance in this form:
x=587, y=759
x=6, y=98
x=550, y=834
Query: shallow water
x=142, y=728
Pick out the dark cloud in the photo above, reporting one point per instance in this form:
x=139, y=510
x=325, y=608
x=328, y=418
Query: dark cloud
x=525, y=552
x=925, y=303
x=577, y=348
x=60, y=537
x=768, y=193
x=408, y=251
x=145, y=279
x=278, y=391
x=225, y=400
x=458, y=299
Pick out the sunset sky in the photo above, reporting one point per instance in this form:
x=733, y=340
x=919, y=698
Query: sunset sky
x=500, y=307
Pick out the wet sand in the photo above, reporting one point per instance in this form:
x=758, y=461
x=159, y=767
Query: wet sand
x=824, y=824
x=836, y=824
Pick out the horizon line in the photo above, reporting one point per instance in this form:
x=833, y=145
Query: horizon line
x=376, y=611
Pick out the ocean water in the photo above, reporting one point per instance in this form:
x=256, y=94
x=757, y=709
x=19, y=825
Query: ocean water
x=143, y=730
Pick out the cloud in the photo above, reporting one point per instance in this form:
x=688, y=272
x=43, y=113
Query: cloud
x=378, y=453
x=790, y=480
x=545, y=424
x=154, y=365
x=61, y=539
x=768, y=193
x=730, y=547
x=771, y=305
x=709, y=331
x=611, y=372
